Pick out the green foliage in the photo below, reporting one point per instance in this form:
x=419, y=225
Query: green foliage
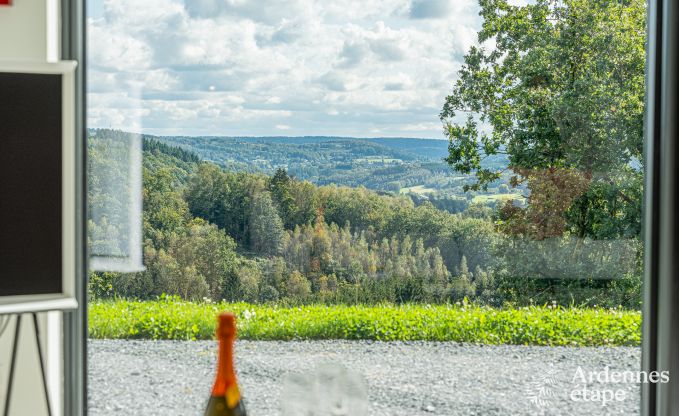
x=207, y=194
x=193, y=263
x=246, y=286
x=462, y=286
x=297, y=286
x=219, y=235
x=562, y=89
x=170, y=318
x=101, y=285
x=108, y=191
x=165, y=210
x=155, y=147
x=266, y=227
x=622, y=292
x=280, y=187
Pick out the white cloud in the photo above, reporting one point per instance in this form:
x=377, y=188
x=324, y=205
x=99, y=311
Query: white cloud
x=244, y=67
x=388, y=49
x=116, y=50
x=353, y=53
x=265, y=11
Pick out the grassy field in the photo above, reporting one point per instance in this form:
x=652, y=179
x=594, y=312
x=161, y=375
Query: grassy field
x=485, y=199
x=419, y=189
x=173, y=319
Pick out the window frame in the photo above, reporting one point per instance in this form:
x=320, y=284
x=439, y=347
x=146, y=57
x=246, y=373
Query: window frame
x=661, y=298
x=661, y=235
x=73, y=37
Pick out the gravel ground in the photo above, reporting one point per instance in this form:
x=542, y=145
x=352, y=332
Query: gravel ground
x=413, y=378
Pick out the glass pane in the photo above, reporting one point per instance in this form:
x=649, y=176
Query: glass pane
x=114, y=196
x=434, y=206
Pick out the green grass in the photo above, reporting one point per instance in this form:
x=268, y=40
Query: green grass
x=485, y=199
x=173, y=319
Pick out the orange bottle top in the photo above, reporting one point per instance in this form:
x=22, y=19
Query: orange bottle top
x=226, y=384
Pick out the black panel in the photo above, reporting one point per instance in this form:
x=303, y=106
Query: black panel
x=30, y=184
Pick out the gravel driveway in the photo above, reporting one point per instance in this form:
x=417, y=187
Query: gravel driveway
x=413, y=378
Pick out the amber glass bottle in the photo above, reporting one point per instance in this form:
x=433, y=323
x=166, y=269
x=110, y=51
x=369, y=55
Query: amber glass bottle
x=225, y=399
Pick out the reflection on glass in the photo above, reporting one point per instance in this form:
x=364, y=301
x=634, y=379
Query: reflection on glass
x=114, y=198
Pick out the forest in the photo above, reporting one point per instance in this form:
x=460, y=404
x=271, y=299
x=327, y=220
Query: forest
x=214, y=234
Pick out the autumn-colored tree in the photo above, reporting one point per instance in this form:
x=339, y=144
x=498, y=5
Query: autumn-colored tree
x=552, y=193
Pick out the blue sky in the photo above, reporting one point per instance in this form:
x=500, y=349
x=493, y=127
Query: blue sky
x=360, y=68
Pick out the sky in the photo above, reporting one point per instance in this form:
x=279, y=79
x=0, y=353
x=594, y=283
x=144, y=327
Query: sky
x=359, y=68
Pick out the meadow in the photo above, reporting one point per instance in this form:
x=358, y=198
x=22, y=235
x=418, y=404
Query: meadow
x=172, y=319
x=497, y=198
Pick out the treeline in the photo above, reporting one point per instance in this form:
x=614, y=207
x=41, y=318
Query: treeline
x=156, y=147
x=214, y=234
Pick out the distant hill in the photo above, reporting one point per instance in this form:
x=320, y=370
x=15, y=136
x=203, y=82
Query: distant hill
x=396, y=165
x=407, y=166
x=299, y=149
x=425, y=148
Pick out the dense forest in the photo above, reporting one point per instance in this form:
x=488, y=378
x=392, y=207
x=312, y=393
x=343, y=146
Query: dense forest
x=210, y=233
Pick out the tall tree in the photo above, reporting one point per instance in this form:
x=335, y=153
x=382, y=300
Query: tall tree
x=266, y=227
x=279, y=185
x=562, y=88
x=207, y=194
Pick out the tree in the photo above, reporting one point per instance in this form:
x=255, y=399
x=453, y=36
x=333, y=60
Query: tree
x=297, y=286
x=164, y=208
x=321, y=246
x=268, y=294
x=563, y=88
x=305, y=196
x=553, y=192
x=485, y=284
x=248, y=277
x=266, y=227
x=209, y=250
x=462, y=285
x=207, y=193
x=279, y=185
x=174, y=279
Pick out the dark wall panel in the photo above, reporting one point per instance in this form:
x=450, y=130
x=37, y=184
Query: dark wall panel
x=30, y=184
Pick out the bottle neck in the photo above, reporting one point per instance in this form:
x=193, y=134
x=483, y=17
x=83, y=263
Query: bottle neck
x=226, y=375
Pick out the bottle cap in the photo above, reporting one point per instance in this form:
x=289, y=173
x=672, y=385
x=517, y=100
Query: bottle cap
x=226, y=327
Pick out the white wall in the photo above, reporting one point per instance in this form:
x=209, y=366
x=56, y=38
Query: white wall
x=30, y=31
x=23, y=30
x=27, y=394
